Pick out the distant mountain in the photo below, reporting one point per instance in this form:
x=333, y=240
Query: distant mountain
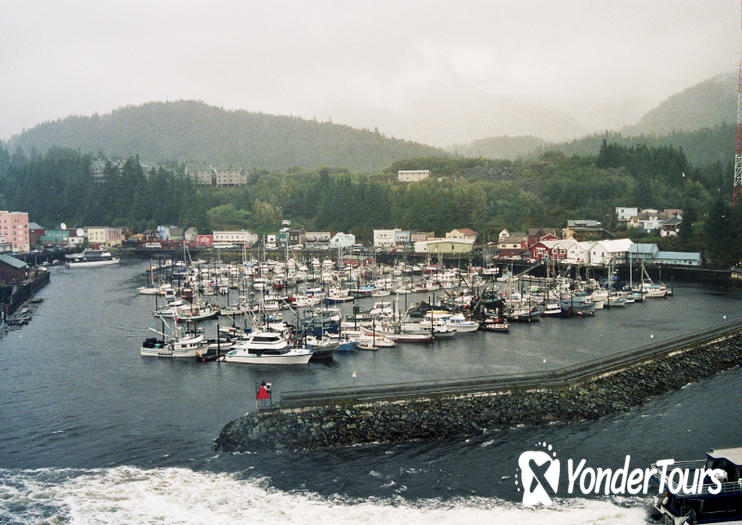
x=706, y=104
x=700, y=119
x=499, y=147
x=191, y=131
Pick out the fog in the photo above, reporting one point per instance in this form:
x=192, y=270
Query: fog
x=439, y=72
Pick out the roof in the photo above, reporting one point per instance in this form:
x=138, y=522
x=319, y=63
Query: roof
x=583, y=223
x=678, y=255
x=466, y=231
x=35, y=226
x=647, y=248
x=617, y=245
x=732, y=454
x=673, y=221
x=12, y=261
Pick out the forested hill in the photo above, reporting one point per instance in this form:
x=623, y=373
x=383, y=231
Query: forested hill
x=194, y=132
x=706, y=104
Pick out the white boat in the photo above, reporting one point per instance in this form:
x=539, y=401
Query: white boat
x=189, y=345
x=266, y=348
x=462, y=325
x=90, y=258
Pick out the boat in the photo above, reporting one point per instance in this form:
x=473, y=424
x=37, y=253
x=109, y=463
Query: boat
x=322, y=347
x=197, y=312
x=715, y=497
x=190, y=344
x=495, y=324
x=90, y=258
x=266, y=348
x=462, y=324
x=576, y=304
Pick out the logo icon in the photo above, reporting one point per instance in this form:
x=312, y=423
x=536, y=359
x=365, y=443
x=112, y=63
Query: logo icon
x=539, y=475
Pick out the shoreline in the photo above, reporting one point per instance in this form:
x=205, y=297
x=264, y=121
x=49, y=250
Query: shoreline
x=459, y=415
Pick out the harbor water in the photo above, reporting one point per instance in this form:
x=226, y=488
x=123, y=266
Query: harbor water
x=93, y=432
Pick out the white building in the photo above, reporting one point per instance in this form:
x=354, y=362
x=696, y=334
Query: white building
x=610, y=251
x=385, y=238
x=412, y=175
x=234, y=237
x=104, y=235
x=444, y=246
x=342, y=240
x=625, y=214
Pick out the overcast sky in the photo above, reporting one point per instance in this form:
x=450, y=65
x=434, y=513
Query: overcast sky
x=603, y=62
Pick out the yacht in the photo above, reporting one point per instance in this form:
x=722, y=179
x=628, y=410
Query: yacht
x=90, y=258
x=266, y=348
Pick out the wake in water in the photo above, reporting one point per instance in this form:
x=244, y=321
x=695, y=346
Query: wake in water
x=182, y=496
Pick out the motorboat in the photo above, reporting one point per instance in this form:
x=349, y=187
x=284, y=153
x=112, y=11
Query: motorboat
x=90, y=258
x=266, y=348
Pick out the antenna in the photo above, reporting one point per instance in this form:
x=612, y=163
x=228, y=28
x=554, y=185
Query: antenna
x=737, y=189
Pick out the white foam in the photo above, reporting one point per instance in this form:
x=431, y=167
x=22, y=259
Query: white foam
x=182, y=496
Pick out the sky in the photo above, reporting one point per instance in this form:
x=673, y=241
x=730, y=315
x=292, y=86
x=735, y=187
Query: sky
x=434, y=71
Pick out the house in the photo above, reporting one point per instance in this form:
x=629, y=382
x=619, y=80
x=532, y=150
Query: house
x=511, y=245
x=462, y=233
x=12, y=270
x=678, y=258
x=624, y=214
x=412, y=175
x=342, y=240
x=649, y=220
x=670, y=227
x=442, y=246
x=583, y=229
x=541, y=234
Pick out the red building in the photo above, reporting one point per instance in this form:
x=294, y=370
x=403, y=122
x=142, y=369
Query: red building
x=204, y=241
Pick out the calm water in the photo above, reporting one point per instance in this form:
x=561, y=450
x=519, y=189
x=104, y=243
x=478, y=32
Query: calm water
x=92, y=432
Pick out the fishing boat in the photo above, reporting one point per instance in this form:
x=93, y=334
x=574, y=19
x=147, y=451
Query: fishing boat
x=495, y=324
x=90, y=258
x=266, y=348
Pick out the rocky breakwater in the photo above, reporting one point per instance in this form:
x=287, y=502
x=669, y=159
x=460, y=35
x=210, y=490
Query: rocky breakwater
x=473, y=413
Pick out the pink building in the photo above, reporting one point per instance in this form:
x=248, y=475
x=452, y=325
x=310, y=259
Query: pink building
x=14, y=230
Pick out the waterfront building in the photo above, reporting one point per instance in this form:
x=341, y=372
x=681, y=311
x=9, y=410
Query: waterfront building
x=445, y=246
x=12, y=270
x=234, y=237
x=60, y=237
x=385, y=238
x=14, y=230
x=104, y=236
x=541, y=234
x=677, y=258
x=317, y=240
x=511, y=245
x=642, y=251
x=421, y=236
x=609, y=251
x=401, y=237
x=204, y=241
x=35, y=232
x=412, y=175
x=342, y=240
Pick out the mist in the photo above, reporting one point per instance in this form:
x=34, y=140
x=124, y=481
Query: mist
x=432, y=71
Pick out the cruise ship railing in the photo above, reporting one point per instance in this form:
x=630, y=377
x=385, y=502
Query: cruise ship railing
x=504, y=382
